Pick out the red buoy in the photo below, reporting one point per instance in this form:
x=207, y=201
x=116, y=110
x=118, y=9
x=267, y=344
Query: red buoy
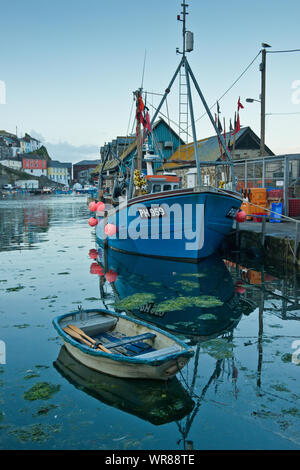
x=93, y=221
x=93, y=254
x=100, y=206
x=95, y=268
x=241, y=216
x=110, y=229
x=111, y=276
x=93, y=206
x=239, y=288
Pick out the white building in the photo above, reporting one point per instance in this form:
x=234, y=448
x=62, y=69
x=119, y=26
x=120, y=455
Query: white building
x=27, y=184
x=12, y=163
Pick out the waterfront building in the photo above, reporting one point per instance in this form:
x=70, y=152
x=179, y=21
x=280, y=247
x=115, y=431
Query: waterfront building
x=29, y=144
x=244, y=145
x=6, y=152
x=86, y=166
x=59, y=172
x=13, y=163
x=34, y=166
x=118, y=146
x=163, y=141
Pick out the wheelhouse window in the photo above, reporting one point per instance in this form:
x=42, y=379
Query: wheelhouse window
x=167, y=187
x=156, y=188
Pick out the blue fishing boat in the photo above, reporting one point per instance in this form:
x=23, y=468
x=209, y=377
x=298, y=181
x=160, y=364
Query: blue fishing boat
x=197, y=301
x=151, y=214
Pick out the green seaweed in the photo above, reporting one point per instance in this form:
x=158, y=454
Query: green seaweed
x=135, y=301
x=180, y=303
x=35, y=433
x=188, y=285
x=292, y=411
x=15, y=289
x=218, y=348
x=41, y=391
x=207, y=316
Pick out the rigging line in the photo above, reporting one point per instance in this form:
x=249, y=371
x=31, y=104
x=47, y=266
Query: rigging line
x=277, y=114
x=279, y=52
x=144, y=69
x=173, y=122
x=231, y=86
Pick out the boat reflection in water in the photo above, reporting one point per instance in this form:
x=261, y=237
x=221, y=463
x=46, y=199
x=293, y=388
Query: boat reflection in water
x=150, y=400
x=197, y=301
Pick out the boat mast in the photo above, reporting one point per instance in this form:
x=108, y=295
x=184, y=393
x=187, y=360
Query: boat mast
x=188, y=47
x=189, y=94
x=138, y=95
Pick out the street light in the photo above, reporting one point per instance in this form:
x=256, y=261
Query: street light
x=250, y=100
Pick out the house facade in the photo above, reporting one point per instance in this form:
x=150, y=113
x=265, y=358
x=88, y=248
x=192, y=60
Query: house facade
x=29, y=144
x=58, y=172
x=85, y=166
x=13, y=163
x=34, y=166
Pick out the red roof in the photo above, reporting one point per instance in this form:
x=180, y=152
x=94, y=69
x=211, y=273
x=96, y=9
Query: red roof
x=164, y=178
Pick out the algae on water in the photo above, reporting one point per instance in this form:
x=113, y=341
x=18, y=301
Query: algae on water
x=180, y=303
x=135, y=301
x=41, y=391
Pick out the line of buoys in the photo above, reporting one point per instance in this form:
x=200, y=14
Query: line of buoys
x=96, y=206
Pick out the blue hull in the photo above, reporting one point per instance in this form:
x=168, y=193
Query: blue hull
x=192, y=226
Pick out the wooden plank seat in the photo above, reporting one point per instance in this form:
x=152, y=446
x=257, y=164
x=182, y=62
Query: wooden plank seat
x=128, y=345
x=157, y=353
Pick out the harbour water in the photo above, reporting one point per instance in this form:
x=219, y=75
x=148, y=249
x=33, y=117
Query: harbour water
x=239, y=391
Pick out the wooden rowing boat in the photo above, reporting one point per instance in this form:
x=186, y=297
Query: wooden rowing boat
x=121, y=346
x=155, y=401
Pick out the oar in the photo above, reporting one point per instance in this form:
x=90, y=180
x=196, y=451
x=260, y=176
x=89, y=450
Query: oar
x=82, y=333
x=77, y=336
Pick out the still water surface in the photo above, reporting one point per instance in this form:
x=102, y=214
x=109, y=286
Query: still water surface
x=240, y=391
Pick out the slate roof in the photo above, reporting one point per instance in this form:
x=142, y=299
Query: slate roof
x=209, y=149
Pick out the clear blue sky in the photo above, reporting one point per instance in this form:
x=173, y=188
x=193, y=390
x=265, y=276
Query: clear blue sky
x=70, y=66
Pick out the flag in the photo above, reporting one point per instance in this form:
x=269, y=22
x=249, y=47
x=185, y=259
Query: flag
x=147, y=122
x=230, y=126
x=218, y=108
x=237, y=125
x=224, y=135
x=219, y=125
x=240, y=106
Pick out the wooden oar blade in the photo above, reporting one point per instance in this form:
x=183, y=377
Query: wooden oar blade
x=82, y=334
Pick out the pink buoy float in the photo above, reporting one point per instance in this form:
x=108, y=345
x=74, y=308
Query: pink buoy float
x=93, y=254
x=100, y=206
x=93, y=206
x=239, y=288
x=95, y=268
x=241, y=216
x=111, y=276
x=92, y=221
x=110, y=229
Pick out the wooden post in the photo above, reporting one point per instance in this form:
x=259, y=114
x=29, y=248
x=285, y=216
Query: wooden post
x=296, y=242
x=263, y=102
x=237, y=235
x=263, y=231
